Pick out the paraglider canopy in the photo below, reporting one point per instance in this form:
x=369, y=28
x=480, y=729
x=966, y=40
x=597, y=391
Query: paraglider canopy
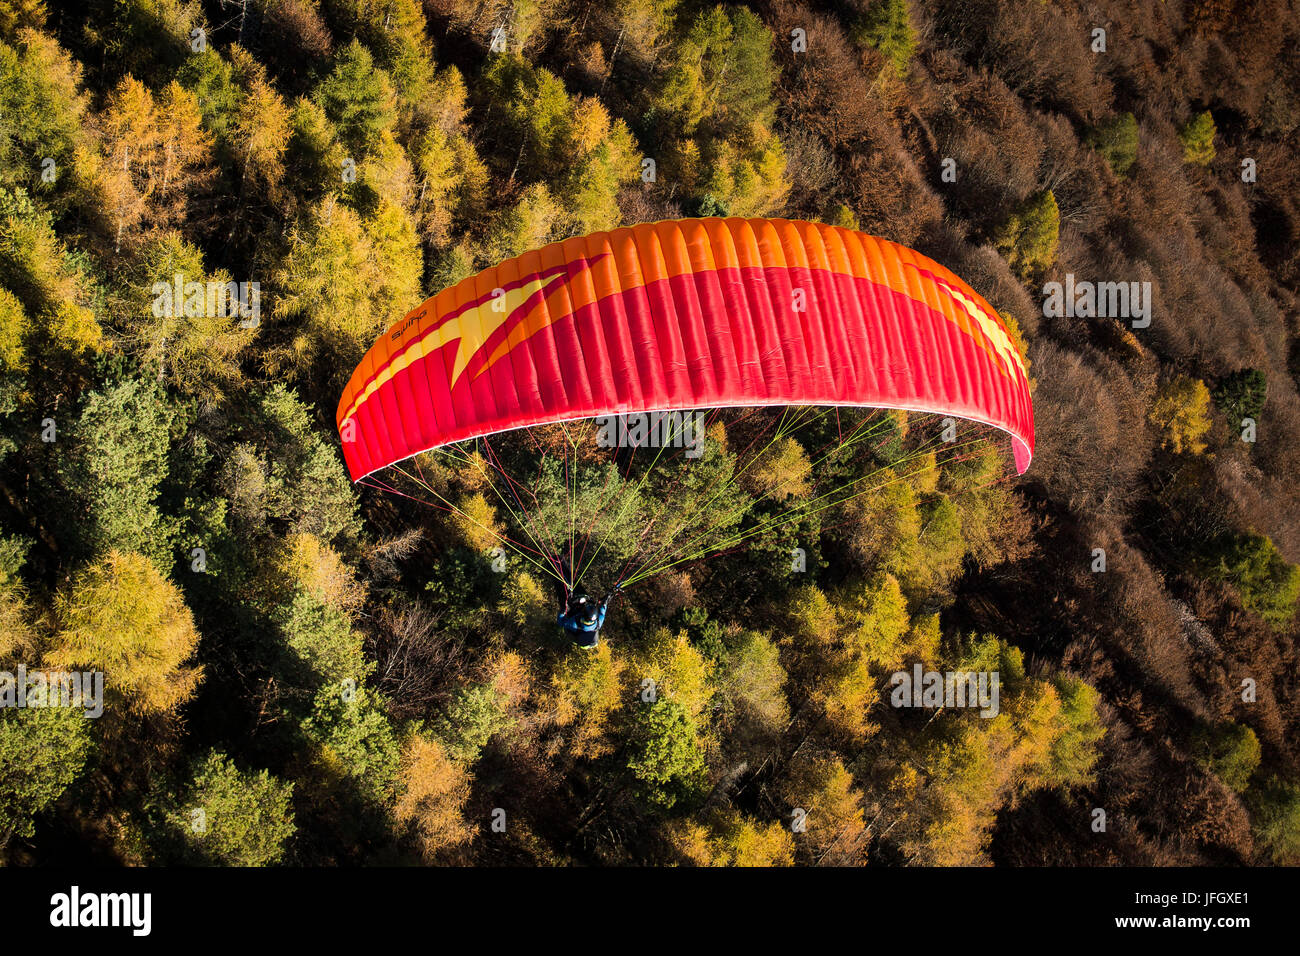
x=680, y=314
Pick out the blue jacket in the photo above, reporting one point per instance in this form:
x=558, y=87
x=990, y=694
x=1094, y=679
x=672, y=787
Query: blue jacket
x=570, y=624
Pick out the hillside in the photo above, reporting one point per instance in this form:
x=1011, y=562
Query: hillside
x=329, y=672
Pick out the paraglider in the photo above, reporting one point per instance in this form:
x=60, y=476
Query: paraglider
x=580, y=615
x=679, y=315
x=583, y=616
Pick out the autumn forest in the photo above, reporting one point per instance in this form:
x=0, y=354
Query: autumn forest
x=302, y=670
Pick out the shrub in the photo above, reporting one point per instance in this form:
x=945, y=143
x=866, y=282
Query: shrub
x=112, y=470
x=666, y=759
x=585, y=692
x=1268, y=584
x=42, y=751
x=1117, y=141
x=1275, y=814
x=476, y=714
x=1181, y=411
x=13, y=554
x=782, y=470
x=888, y=28
x=1229, y=751
x=1241, y=395
x=823, y=788
x=476, y=523
x=433, y=791
x=121, y=616
x=1074, y=752
x=1029, y=237
x=1197, y=137
x=245, y=817
x=356, y=740
x=751, y=683
x=730, y=839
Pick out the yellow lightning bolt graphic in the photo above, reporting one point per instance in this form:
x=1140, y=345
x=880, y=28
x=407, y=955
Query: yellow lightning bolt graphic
x=473, y=328
x=998, y=338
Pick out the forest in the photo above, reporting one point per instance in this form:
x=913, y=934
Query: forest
x=300, y=670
